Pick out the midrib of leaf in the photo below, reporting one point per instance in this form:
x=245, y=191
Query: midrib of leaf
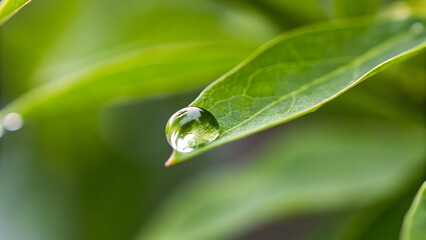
x=373, y=52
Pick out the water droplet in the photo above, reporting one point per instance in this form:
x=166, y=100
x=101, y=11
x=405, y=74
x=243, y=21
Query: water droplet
x=190, y=128
x=12, y=121
x=416, y=27
x=1, y=131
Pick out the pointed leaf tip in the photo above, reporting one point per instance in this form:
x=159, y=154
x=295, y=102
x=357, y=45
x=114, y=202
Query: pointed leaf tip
x=171, y=161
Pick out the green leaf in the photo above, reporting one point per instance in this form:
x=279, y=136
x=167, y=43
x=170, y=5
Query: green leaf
x=291, y=13
x=79, y=37
x=8, y=8
x=300, y=71
x=138, y=72
x=147, y=23
x=347, y=8
x=414, y=225
x=381, y=220
x=22, y=55
x=314, y=168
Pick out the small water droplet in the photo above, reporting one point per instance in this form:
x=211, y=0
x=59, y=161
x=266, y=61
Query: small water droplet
x=190, y=128
x=12, y=122
x=417, y=27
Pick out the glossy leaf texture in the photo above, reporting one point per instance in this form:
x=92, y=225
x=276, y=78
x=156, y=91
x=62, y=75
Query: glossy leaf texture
x=300, y=71
x=139, y=72
x=414, y=226
x=314, y=168
x=8, y=8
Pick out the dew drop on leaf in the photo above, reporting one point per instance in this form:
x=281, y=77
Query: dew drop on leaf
x=191, y=128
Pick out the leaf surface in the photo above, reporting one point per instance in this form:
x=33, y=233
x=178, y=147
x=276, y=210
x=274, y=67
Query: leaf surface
x=8, y=8
x=300, y=71
x=414, y=225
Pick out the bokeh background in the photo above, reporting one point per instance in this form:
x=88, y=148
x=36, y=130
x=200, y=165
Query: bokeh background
x=91, y=168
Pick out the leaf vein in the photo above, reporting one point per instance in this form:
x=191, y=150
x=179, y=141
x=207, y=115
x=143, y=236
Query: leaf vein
x=391, y=42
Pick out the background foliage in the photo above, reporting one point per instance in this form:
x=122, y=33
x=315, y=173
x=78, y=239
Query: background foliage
x=97, y=80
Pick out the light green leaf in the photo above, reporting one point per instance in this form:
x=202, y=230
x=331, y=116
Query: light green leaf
x=139, y=72
x=78, y=37
x=314, y=168
x=300, y=71
x=414, y=225
x=147, y=23
x=8, y=8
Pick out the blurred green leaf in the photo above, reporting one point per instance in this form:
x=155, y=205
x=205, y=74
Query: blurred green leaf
x=84, y=33
x=300, y=71
x=380, y=221
x=147, y=23
x=348, y=8
x=316, y=168
x=289, y=13
x=414, y=225
x=8, y=8
x=26, y=40
x=138, y=72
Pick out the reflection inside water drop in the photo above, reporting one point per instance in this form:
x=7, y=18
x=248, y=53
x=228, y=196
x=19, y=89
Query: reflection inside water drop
x=190, y=128
x=12, y=121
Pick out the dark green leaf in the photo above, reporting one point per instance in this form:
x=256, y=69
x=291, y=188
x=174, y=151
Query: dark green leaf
x=291, y=13
x=348, y=8
x=414, y=226
x=379, y=221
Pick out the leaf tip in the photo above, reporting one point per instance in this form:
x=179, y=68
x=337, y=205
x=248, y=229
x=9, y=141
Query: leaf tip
x=171, y=161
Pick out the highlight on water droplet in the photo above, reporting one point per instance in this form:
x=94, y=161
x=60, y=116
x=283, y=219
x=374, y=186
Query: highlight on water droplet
x=12, y=122
x=417, y=27
x=191, y=128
